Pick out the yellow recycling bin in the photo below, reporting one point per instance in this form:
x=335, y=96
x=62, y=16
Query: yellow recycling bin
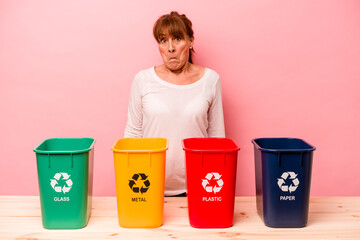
x=140, y=177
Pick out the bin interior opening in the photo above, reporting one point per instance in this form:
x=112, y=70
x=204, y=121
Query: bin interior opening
x=141, y=144
x=283, y=143
x=210, y=144
x=65, y=144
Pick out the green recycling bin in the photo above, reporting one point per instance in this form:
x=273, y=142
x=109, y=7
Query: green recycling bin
x=65, y=174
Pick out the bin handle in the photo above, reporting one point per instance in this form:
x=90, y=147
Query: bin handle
x=279, y=160
x=150, y=159
x=72, y=160
x=202, y=159
x=301, y=159
x=128, y=160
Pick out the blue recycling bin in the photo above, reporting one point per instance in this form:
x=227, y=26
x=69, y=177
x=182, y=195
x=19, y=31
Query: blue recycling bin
x=283, y=175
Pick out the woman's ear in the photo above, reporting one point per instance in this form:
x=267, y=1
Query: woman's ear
x=191, y=41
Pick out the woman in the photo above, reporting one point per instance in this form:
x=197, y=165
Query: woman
x=175, y=100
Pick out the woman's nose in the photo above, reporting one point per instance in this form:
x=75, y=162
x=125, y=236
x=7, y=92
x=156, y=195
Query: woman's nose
x=171, y=47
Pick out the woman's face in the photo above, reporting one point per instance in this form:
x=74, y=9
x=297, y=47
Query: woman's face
x=174, y=51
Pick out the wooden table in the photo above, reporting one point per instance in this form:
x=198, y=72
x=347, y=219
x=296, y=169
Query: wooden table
x=329, y=218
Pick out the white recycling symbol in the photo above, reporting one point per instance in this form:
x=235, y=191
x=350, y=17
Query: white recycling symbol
x=206, y=184
x=294, y=182
x=64, y=178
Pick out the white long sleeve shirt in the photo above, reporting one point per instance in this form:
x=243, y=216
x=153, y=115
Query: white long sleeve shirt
x=160, y=109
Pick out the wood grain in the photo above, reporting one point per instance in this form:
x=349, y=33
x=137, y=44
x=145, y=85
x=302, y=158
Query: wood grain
x=329, y=218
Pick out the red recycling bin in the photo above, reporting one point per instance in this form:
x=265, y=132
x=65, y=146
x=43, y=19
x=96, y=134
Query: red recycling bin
x=211, y=176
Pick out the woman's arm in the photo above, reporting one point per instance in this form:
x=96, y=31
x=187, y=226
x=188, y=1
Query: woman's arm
x=135, y=115
x=216, y=126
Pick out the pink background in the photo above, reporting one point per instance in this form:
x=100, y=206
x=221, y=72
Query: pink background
x=288, y=68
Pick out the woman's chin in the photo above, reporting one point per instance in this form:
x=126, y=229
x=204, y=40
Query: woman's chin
x=175, y=67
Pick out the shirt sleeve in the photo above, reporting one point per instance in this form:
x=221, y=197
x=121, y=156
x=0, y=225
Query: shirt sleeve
x=216, y=127
x=134, y=122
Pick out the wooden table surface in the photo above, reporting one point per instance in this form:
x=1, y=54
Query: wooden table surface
x=329, y=218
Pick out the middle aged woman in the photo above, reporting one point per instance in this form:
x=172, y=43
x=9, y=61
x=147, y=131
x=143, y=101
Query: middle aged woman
x=176, y=99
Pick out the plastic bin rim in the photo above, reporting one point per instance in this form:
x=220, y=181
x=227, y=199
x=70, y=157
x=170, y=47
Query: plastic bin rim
x=140, y=150
x=210, y=150
x=312, y=148
x=67, y=151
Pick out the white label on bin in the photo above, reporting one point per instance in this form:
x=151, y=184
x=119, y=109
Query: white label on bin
x=61, y=199
x=288, y=182
x=61, y=182
x=287, y=198
x=212, y=182
x=212, y=199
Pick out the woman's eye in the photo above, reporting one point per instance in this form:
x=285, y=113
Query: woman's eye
x=177, y=39
x=163, y=40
